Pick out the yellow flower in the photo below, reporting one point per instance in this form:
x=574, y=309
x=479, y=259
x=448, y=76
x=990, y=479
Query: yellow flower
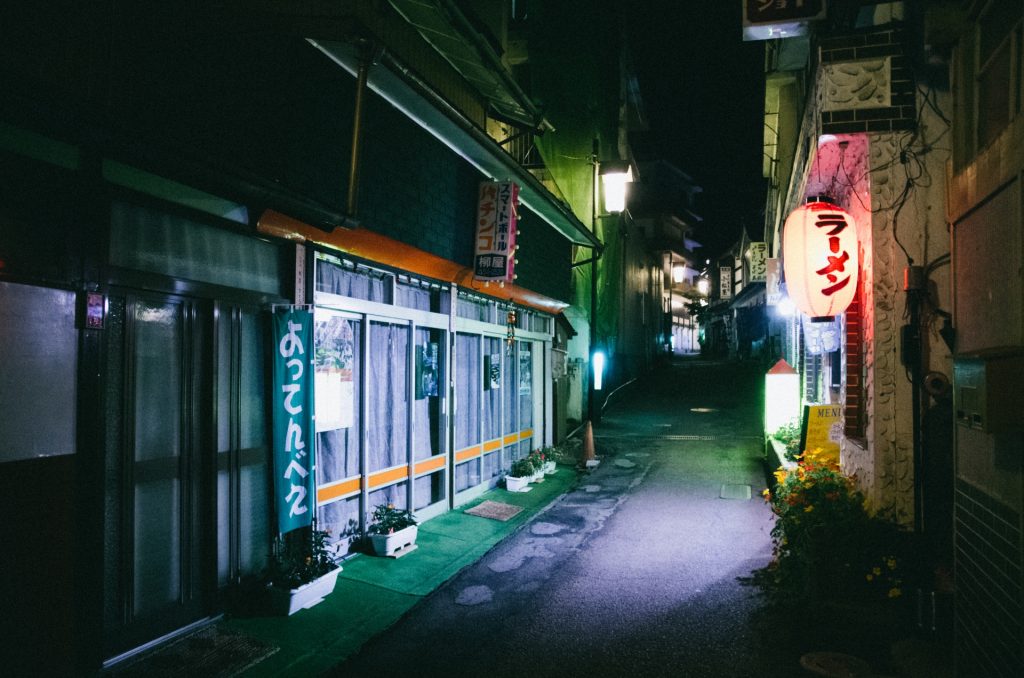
x=894, y=593
x=891, y=562
x=877, y=571
x=808, y=508
x=780, y=475
x=869, y=577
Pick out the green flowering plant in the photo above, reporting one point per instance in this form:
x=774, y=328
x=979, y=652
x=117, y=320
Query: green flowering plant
x=521, y=468
x=537, y=459
x=789, y=435
x=387, y=519
x=300, y=557
x=825, y=539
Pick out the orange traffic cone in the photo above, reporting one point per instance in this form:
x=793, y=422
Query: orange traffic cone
x=589, y=459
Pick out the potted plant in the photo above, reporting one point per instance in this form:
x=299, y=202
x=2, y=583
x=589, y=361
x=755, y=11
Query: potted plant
x=519, y=475
x=393, y=531
x=302, y=571
x=537, y=461
x=548, y=455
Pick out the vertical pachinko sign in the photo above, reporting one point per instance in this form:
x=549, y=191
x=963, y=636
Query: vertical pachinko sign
x=294, y=489
x=496, y=219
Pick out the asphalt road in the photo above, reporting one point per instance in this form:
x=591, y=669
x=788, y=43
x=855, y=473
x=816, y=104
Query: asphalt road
x=631, y=574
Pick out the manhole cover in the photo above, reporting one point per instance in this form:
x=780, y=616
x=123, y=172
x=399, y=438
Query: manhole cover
x=741, y=492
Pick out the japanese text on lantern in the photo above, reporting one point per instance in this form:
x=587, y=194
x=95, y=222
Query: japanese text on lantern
x=496, y=231
x=835, y=273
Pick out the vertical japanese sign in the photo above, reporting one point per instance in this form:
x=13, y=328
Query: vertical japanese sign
x=725, y=282
x=773, y=282
x=294, y=489
x=757, y=256
x=496, y=219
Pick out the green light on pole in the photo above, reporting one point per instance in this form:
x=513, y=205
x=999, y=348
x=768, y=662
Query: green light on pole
x=598, y=362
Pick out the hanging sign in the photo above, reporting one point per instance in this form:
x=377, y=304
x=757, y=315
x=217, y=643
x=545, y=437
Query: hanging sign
x=757, y=259
x=773, y=19
x=821, y=337
x=293, y=418
x=819, y=255
x=496, y=221
x=725, y=282
x=773, y=282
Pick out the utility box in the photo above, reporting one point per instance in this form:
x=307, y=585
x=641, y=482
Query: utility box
x=988, y=391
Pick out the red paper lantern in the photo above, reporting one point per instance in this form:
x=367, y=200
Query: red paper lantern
x=819, y=251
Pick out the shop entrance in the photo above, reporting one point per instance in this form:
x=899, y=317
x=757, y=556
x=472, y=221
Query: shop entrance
x=159, y=564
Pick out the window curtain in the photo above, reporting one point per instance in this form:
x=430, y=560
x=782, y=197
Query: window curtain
x=358, y=284
x=387, y=430
x=412, y=296
x=467, y=389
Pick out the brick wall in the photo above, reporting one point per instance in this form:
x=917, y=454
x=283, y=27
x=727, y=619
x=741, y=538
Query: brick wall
x=989, y=598
x=415, y=189
x=901, y=114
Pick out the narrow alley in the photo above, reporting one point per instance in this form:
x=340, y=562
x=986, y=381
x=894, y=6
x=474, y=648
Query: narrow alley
x=634, y=572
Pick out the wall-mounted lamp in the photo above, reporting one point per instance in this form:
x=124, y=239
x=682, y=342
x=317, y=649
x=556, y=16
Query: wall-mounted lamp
x=615, y=174
x=704, y=286
x=677, y=274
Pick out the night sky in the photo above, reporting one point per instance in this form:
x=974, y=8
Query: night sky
x=703, y=88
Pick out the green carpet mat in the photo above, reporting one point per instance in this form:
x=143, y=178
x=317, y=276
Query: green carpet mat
x=373, y=593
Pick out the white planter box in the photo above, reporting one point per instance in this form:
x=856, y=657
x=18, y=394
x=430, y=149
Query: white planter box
x=395, y=544
x=550, y=467
x=513, y=484
x=289, y=601
x=538, y=476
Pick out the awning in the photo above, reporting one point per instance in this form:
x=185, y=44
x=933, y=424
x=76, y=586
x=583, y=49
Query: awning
x=365, y=244
x=406, y=92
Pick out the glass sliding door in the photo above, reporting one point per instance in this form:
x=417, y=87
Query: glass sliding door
x=493, y=463
x=338, y=361
x=158, y=561
x=468, y=387
x=428, y=424
x=526, y=393
x=387, y=414
x=243, y=500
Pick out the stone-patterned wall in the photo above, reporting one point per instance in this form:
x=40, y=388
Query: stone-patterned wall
x=891, y=435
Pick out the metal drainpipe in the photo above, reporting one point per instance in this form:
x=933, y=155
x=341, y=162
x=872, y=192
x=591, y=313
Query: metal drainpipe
x=357, y=130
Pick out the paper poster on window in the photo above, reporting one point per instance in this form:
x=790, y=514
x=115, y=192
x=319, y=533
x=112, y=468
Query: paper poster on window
x=492, y=371
x=333, y=361
x=525, y=370
x=426, y=370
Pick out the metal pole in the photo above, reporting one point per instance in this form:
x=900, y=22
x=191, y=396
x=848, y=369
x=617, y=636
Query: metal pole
x=593, y=289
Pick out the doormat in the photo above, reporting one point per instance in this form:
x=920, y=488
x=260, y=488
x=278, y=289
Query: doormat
x=741, y=492
x=494, y=510
x=211, y=651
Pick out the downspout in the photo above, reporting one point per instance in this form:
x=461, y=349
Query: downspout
x=365, y=59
